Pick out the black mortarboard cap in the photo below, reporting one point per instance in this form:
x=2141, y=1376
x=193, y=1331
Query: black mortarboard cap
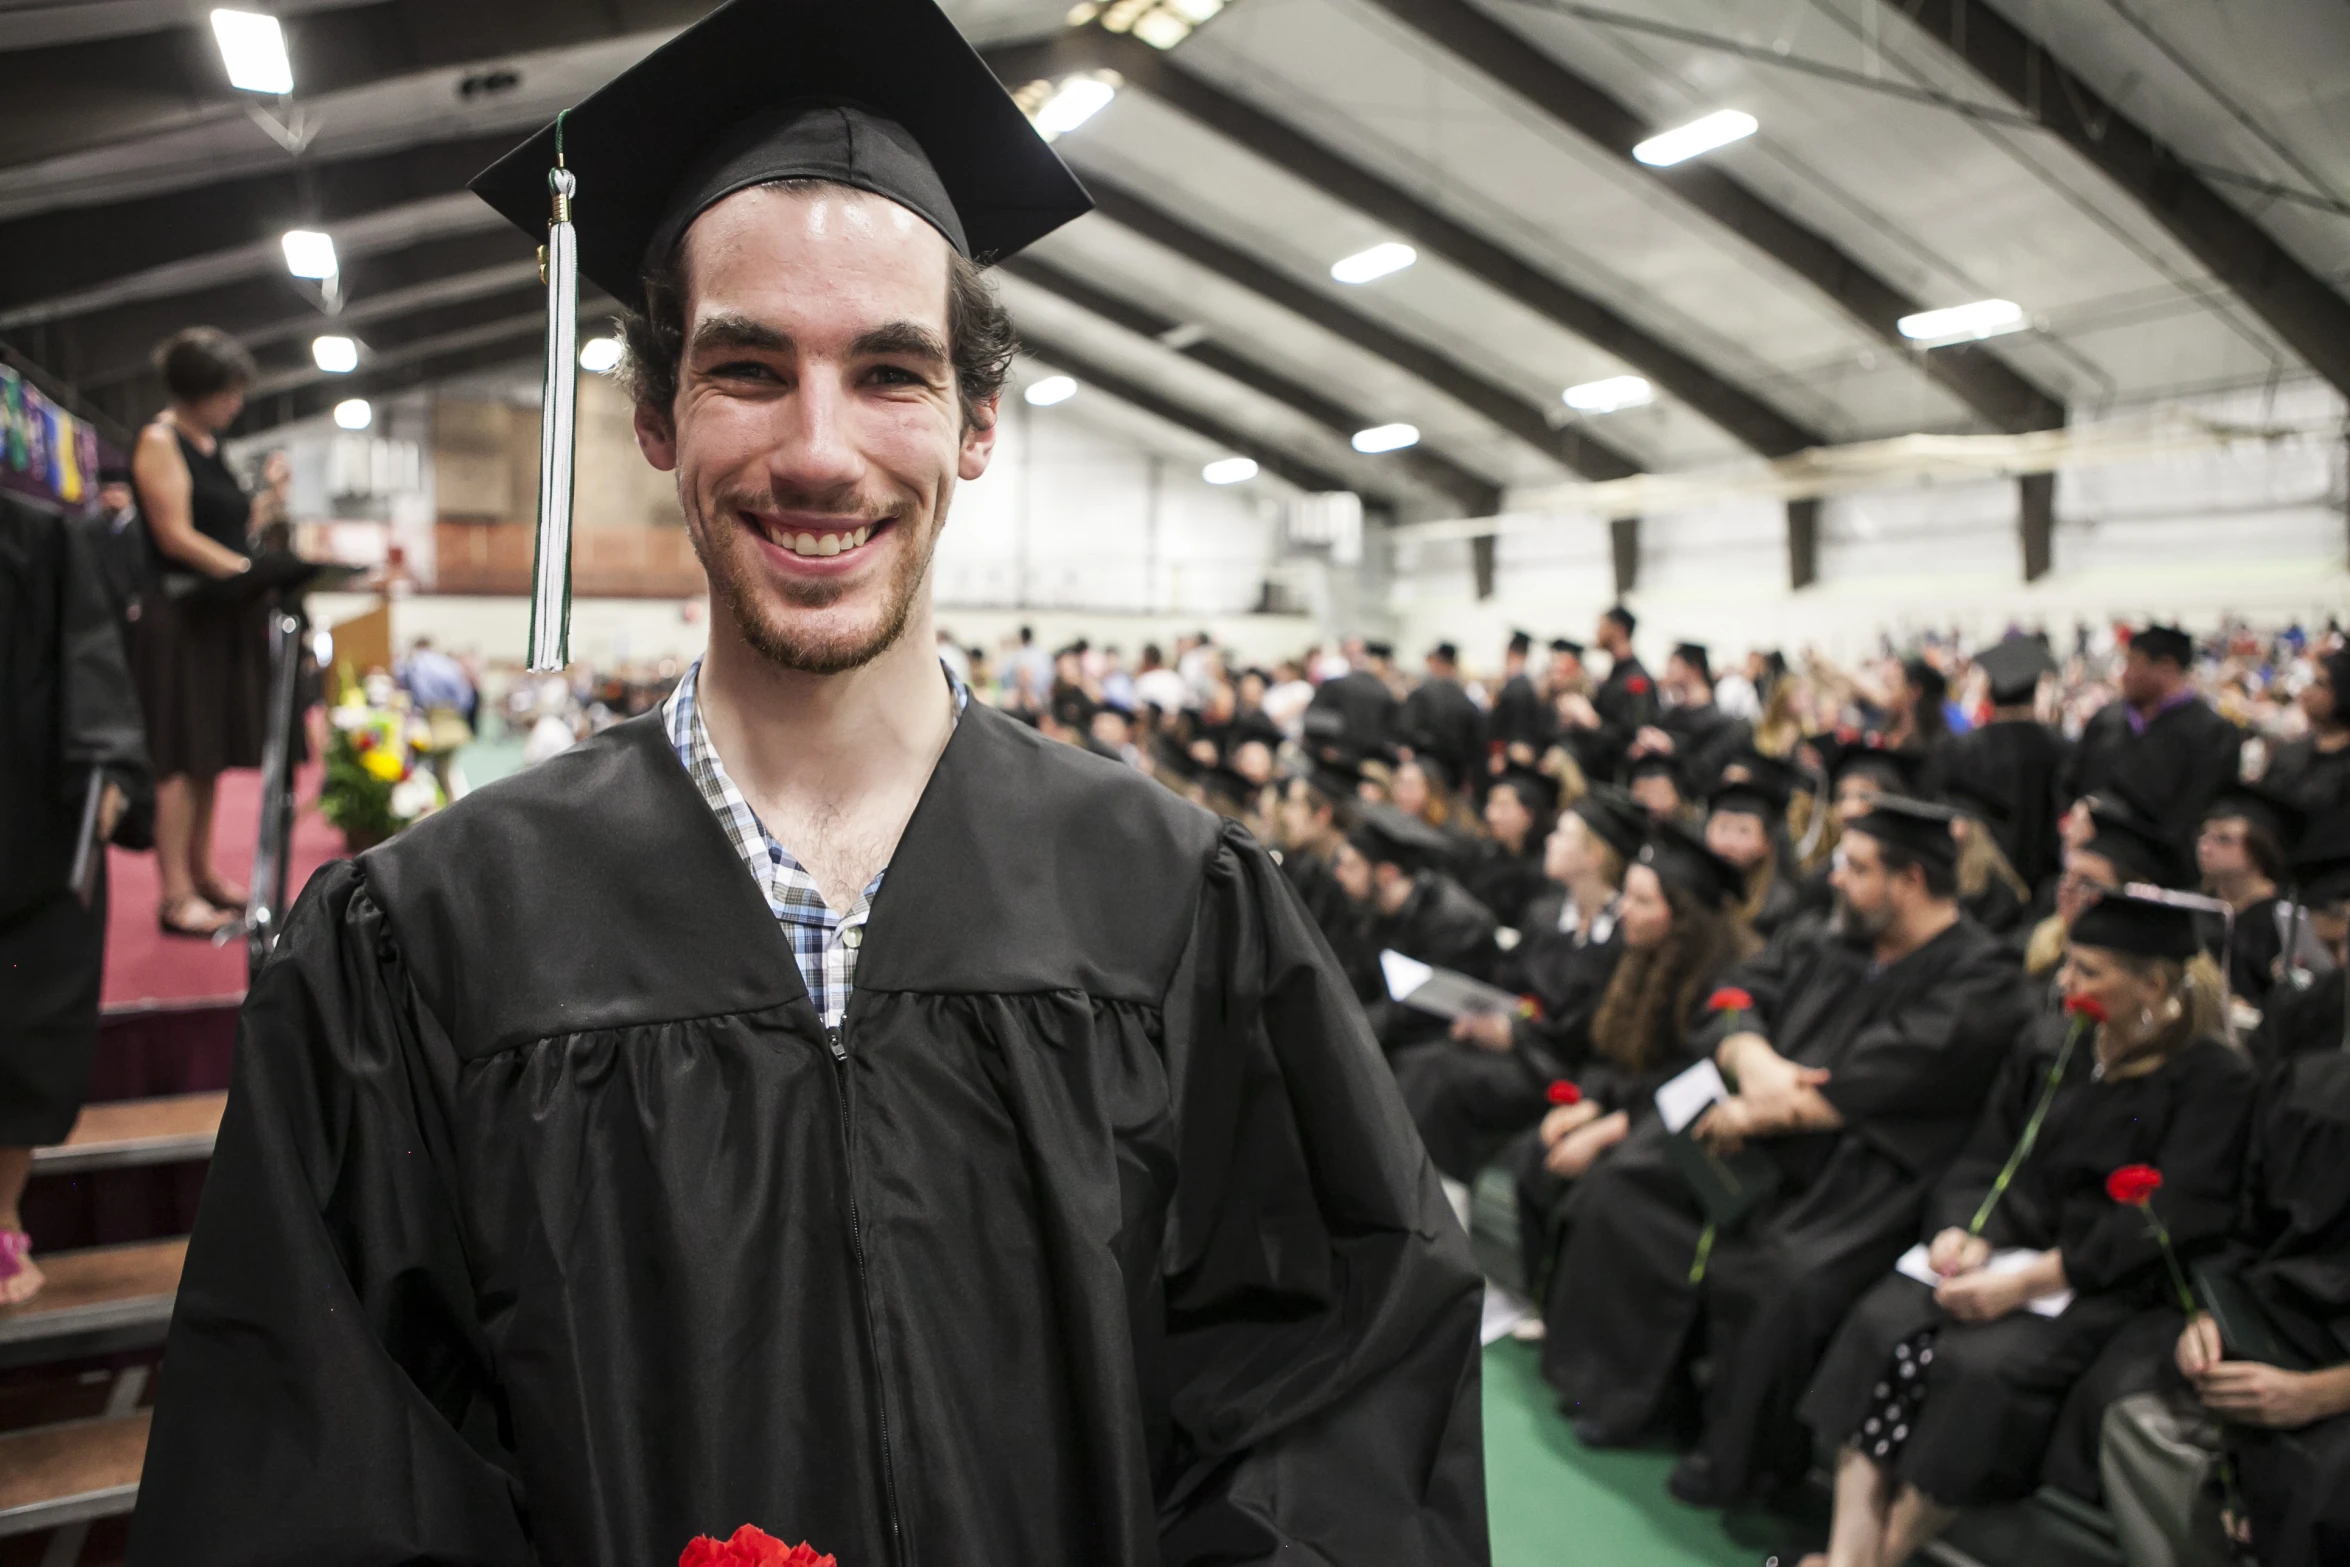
x=2146, y=927
x=2282, y=819
x=2159, y=641
x=1655, y=764
x=882, y=95
x=1566, y=645
x=1336, y=779
x=1389, y=836
x=1683, y=862
x=1521, y=641
x=1445, y=651
x=1615, y=818
x=1755, y=784
x=1920, y=827
x=1897, y=770
x=1973, y=798
x=2014, y=667
x=2126, y=835
x=1694, y=654
x=1379, y=649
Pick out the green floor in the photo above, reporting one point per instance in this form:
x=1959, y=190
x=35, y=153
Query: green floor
x=1553, y=1502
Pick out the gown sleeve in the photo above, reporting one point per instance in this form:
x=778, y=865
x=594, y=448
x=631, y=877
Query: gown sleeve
x=1320, y=1349
x=2107, y=1245
x=328, y=1397
x=1896, y=1080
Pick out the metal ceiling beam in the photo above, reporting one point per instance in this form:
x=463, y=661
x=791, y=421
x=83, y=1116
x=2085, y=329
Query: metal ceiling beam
x=48, y=255
x=1300, y=471
x=1746, y=417
x=1995, y=391
x=1526, y=420
x=113, y=344
x=1477, y=495
x=2298, y=305
x=73, y=96
x=522, y=346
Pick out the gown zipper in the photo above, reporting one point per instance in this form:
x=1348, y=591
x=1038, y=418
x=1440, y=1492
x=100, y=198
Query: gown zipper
x=836, y=1038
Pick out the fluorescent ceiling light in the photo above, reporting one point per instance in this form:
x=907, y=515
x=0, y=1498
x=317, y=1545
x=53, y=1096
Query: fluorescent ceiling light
x=1052, y=389
x=1229, y=470
x=310, y=253
x=1605, y=397
x=354, y=413
x=253, y=47
x=1684, y=142
x=1387, y=438
x=599, y=354
x=1075, y=101
x=1378, y=261
x=1964, y=323
x=335, y=355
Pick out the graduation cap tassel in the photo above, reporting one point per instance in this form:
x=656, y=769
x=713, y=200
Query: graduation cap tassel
x=550, y=595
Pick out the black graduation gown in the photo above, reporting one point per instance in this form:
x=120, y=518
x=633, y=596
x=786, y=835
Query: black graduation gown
x=1520, y=716
x=1438, y=717
x=1440, y=924
x=1994, y=1389
x=67, y=707
x=1704, y=739
x=1996, y=908
x=1365, y=707
x=2187, y=755
x=1504, y=882
x=2300, y=1022
x=2248, y=949
x=1913, y=1048
x=548, y=1224
x=2317, y=781
x=2018, y=762
x=1625, y=701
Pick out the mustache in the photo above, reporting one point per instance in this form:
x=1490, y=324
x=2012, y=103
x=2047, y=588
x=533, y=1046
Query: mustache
x=848, y=504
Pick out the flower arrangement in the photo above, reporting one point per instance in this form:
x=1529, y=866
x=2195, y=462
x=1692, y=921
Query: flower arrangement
x=373, y=785
x=750, y=1547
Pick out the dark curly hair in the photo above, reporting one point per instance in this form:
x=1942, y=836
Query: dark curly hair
x=980, y=338
x=1653, y=997
x=198, y=361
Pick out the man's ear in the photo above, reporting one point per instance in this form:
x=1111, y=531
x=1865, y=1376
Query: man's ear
x=656, y=437
x=979, y=439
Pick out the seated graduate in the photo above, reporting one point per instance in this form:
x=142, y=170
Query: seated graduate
x=1857, y=773
x=1394, y=867
x=2270, y=1374
x=821, y=1101
x=1680, y=933
x=1944, y=1396
x=2314, y=771
x=1859, y=1072
x=2242, y=854
x=1690, y=726
x=1472, y=1093
x=1746, y=824
x=1318, y=807
x=2113, y=847
x=1989, y=889
x=1654, y=780
x=1504, y=871
x=2302, y=1020
x=1421, y=786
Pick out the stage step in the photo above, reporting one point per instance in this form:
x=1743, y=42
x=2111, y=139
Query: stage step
x=53, y=1477
x=96, y=1302
x=136, y=1131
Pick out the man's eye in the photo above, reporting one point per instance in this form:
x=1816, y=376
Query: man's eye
x=742, y=370
x=896, y=375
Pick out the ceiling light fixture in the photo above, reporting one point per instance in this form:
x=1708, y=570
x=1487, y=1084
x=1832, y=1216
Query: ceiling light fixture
x=1606, y=397
x=354, y=413
x=1684, y=142
x=1387, y=438
x=1052, y=389
x=253, y=47
x=1076, y=100
x=1229, y=470
x=599, y=354
x=309, y=253
x=334, y=355
x=1160, y=23
x=1964, y=323
x=1377, y=262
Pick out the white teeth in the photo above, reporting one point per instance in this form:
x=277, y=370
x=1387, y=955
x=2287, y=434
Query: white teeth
x=858, y=538
x=805, y=544
x=828, y=545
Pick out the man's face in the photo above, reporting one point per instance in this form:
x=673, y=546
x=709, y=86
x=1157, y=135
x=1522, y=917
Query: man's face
x=2144, y=679
x=1353, y=872
x=1657, y=795
x=1741, y=839
x=1565, y=669
x=2223, y=847
x=1865, y=892
x=817, y=434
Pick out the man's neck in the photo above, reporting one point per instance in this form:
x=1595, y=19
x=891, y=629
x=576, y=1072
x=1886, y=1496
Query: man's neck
x=1913, y=930
x=2243, y=889
x=2015, y=713
x=2168, y=697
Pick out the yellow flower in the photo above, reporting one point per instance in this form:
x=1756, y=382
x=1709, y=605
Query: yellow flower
x=383, y=763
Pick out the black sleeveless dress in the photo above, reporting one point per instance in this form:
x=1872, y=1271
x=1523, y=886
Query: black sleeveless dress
x=202, y=662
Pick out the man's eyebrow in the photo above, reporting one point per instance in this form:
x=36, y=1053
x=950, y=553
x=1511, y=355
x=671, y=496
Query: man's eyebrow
x=907, y=339
x=733, y=331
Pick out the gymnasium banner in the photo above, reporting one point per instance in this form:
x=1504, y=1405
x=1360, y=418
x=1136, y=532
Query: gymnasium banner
x=45, y=452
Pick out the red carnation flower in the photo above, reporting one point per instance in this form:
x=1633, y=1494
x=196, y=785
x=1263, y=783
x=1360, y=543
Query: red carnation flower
x=1729, y=999
x=751, y=1547
x=2085, y=1006
x=1637, y=685
x=1562, y=1092
x=2134, y=1184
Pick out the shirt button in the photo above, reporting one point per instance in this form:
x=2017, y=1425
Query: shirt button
x=853, y=937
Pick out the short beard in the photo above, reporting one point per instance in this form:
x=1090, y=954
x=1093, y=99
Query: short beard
x=738, y=583
x=1861, y=930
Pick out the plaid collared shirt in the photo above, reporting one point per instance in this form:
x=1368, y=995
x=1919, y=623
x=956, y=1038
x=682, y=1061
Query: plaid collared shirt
x=824, y=944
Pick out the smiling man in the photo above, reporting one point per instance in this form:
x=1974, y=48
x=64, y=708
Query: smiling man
x=823, y=1103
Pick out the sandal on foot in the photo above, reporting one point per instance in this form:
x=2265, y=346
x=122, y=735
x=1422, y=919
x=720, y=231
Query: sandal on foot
x=173, y=919
x=16, y=1263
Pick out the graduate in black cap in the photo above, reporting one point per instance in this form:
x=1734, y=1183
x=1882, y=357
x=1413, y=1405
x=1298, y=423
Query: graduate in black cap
x=1857, y=772
x=2015, y=759
x=1656, y=781
x=1989, y=889
x=2158, y=738
x=1859, y=1066
x=2243, y=855
x=1367, y=708
x=1440, y=719
x=2314, y=770
x=1945, y=1396
x=1503, y=870
x=1746, y=824
x=621, y=1156
x=1519, y=726
x=1689, y=726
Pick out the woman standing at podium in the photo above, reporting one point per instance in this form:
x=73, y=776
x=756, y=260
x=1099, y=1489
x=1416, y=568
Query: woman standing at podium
x=201, y=659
